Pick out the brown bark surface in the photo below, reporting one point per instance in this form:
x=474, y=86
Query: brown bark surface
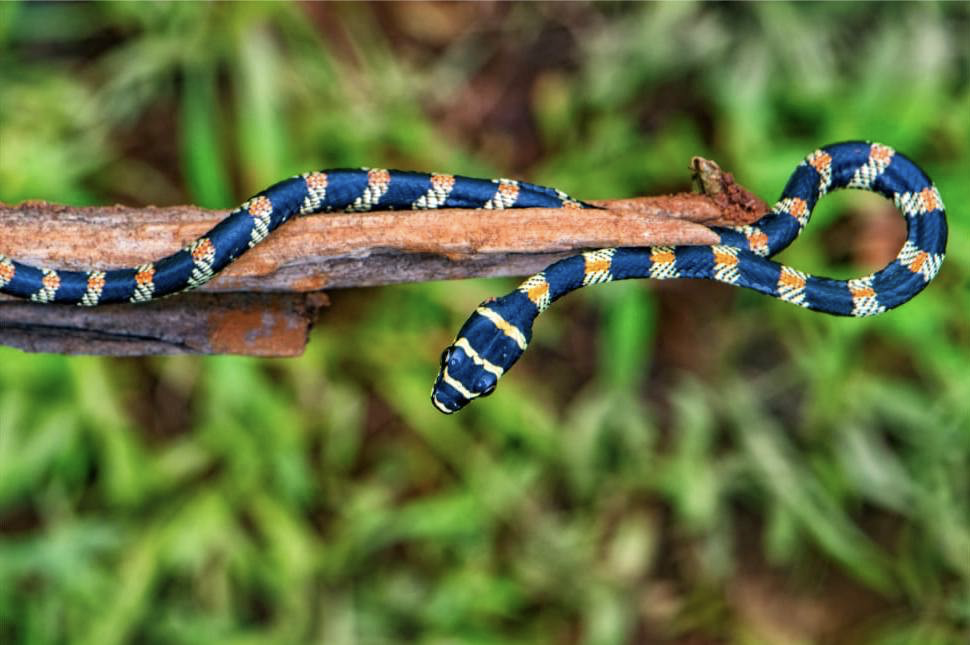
x=263, y=304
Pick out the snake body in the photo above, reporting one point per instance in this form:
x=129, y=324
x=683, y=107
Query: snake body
x=499, y=330
x=248, y=225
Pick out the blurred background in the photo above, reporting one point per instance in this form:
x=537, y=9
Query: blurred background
x=670, y=463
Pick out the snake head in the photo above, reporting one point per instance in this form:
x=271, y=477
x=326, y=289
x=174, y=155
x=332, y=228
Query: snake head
x=488, y=344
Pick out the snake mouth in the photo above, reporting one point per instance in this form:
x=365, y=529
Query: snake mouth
x=441, y=406
x=446, y=398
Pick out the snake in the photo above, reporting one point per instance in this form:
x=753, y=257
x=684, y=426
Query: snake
x=499, y=330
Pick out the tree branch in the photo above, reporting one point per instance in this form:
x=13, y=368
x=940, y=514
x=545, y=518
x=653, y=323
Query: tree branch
x=263, y=303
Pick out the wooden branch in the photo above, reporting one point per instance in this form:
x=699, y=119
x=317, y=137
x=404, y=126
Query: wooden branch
x=256, y=324
x=317, y=252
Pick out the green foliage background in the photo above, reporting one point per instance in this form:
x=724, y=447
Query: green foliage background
x=681, y=463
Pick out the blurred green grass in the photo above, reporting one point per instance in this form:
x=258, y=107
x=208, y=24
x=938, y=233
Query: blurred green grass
x=676, y=463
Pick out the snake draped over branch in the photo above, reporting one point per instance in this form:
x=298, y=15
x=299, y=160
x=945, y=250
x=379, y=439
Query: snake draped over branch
x=499, y=330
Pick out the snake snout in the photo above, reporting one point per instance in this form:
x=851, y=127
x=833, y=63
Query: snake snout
x=460, y=379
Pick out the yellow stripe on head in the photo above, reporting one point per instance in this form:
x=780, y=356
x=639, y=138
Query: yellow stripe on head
x=506, y=327
x=486, y=364
x=457, y=386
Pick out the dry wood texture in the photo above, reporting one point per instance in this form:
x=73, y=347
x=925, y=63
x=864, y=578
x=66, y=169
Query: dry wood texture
x=265, y=302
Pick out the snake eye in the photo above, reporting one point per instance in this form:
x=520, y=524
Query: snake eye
x=445, y=356
x=486, y=384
